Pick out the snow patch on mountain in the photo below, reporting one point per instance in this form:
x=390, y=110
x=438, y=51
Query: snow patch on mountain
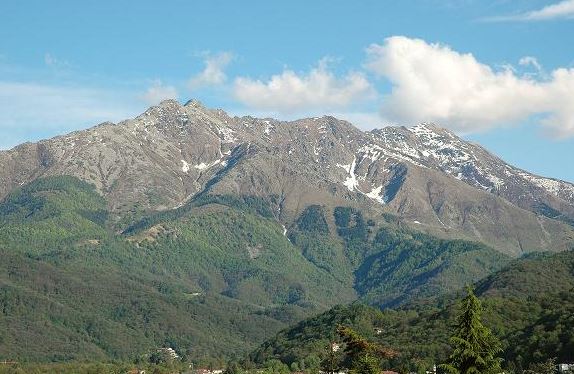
x=351, y=182
x=371, y=151
x=268, y=127
x=553, y=186
x=205, y=166
x=376, y=195
x=201, y=166
x=184, y=166
x=228, y=135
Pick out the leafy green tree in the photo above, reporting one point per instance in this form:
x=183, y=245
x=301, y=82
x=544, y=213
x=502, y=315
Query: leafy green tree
x=332, y=361
x=233, y=368
x=366, y=363
x=312, y=364
x=276, y=367
x=547, y=367
x=161, y=357
x=365, y=356
x=475, y=348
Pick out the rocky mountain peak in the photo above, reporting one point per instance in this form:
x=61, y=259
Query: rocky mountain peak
x=194, y=103
x=171, y=153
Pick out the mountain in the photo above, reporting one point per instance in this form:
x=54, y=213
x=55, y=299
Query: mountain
x=212, y=279
x=188, y=228
x=208, y=284
x=529, y=308
x=427, y=176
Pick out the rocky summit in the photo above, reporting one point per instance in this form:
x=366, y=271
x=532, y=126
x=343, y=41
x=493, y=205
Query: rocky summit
x=426, y=176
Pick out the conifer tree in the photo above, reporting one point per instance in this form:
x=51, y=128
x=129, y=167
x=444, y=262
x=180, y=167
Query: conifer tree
x=475, y=348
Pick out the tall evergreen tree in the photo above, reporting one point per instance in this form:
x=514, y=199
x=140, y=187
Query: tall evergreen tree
x=475, y=348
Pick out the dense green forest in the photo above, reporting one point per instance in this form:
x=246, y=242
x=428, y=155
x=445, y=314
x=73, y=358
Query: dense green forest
x=217, y=276
x=388, y=263
x=529, y=305
x=207, y=284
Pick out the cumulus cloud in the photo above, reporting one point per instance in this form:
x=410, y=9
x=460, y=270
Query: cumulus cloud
x=290, y=92
x=432, y=82
x=214, y=72
x=159, y=92
x=561, y=10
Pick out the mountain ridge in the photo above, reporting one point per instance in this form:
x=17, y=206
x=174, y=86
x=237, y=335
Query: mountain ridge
x=184, y=214
x=432, y=179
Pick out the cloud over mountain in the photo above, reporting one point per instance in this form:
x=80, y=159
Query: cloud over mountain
x=159, y=92
x=290, y=92
x=433, y=82
x=214, y=72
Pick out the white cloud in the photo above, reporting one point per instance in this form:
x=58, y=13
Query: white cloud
x=316, y=91
x=159, y=92
x=31, y=111
x=530, y=61
x=432, y=82
x=561, y=10
x=214, y=72
x=559, y=103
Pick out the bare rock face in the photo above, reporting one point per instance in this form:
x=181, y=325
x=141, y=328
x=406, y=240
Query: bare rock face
x=431, y=179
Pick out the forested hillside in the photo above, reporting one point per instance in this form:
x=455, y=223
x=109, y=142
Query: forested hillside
x=211, y=279
x=529, y=305
x=205, y=285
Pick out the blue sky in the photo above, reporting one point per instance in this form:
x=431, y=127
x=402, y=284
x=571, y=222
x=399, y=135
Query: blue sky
x=498, y=72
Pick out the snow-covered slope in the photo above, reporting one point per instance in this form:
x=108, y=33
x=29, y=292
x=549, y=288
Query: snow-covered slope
x=429, y=146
